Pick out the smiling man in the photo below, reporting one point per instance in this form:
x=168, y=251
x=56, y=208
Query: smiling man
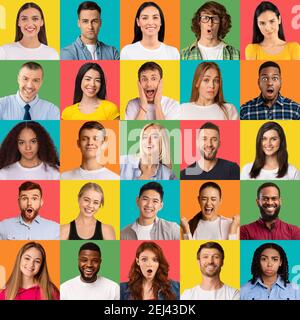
x=270, y=104
x=210, y=257
x=151, y=104
x=269, y=226
x=29, y=225
x=87, y=46
x=148, y=226
x=26, y=104
x=92, y=142
x=89, y=285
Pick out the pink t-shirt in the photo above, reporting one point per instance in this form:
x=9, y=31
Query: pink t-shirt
x=33, y=293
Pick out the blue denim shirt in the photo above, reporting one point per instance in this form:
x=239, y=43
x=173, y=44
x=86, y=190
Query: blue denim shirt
x=125, y=291
x=78, y=51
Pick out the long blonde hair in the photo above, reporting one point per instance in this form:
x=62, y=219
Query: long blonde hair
x=42, y=278
x=164, y=144
x=198, y=77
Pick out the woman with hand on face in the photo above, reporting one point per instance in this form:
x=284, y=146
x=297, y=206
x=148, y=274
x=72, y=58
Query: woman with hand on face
x=86, y=226
x=153, y=161
x=28, y=152
x=89, y=96
x=268, y=42
x=271, y=160
x=30, y=279
x=30, y=40
x=148, y=276
x=149, y=33
x=207, y=99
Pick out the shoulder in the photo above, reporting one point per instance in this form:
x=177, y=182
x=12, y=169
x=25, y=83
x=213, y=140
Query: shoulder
x=49, y=223
x=64, y=231
x=227, y=163
x=69, y=52
x=71, y=174
x=133, y=102
x=124, y=286
x=108, y=282
x=252, y=46
x=69, y=283
x=293, y=45
x=172, y=52
x=108, y=232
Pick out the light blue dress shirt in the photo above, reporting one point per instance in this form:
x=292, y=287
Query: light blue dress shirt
x=39, y=229
x=258, y=291
x=12, y=108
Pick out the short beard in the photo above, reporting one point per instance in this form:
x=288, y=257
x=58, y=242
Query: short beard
x=24, y=216
x=88, y=279
x=266, y=217
x=210, y=158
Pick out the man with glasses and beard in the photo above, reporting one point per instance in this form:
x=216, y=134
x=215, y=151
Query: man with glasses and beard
x=269, y=226
x=210, y=256
x=29, y=225
x=209, y=167
x=89, y=285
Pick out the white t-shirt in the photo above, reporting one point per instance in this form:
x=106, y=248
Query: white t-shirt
x=192, y=111
x=143, y=232
x=101, y=289
x=136, y=51
x=292, y=173
x=15, y=51
x=212, y=53
x=41, y=172
x=81, y=174
x=170, y=109
x=92, y=50
x=224, y=293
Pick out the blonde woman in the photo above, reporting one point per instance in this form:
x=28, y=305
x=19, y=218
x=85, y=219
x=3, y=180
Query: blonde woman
x=207, y=100
x=153, y=161
x=86, y=226
x=30, y=279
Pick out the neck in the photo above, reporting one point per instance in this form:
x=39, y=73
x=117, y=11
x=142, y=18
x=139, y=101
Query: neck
x=269, y=281
x=88, y=41
x=207, y=165
x=211, y=283
x=145, y=222
x=85, y=220
x=270, y=103
x=271, y=162
x=204, y=102
x=24, y=99
x=27, y=282
x=209, y=42
x=212, y=218
x=89, y=101
x=90, y=164
x=269, y=223
x=272, y=41
x=150, y=42
x=30, y=42
x=30, y=163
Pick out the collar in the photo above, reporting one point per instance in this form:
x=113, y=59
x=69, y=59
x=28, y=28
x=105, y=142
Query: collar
x=83, y=45
x=279, y=100
x=22, y=103
x=134, y=226
x=276, y=222
x=37, y=219
x=279, y=282
x=194, y=45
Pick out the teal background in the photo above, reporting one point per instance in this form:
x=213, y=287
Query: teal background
x=110, y=252
x=289, y=195
x=189, y=7
x=127, y=126
x=50, y=88
x=51, y=126
x=230, y=72
x=130, y=211
x=109, y=32
x=292, y=249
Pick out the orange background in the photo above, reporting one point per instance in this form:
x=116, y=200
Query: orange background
x=52, y=255
x=70, y=154
x=171, y=11
x=249, y=76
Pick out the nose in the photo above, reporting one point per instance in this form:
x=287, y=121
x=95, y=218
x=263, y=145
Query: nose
x=28, y=145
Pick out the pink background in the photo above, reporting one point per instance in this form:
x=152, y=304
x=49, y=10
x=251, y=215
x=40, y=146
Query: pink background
x=68, y=73
x=170, y=249
x=9, y=192
x=229, y=136
x=290, y=13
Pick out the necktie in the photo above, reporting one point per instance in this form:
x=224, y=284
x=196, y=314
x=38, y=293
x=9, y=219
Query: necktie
x=27, y=115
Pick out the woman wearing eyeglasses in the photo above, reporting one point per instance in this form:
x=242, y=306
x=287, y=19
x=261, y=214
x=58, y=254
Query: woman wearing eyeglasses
x=210, y=24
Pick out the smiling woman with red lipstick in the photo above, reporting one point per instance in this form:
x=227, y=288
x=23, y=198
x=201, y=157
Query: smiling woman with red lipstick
x=30, y=40
x=148, y=276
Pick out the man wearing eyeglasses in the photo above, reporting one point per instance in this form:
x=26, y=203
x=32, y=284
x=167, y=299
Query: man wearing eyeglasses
x=210, y=24
x=269, y=226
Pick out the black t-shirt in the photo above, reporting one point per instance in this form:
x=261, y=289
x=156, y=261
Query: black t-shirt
x=223, y=170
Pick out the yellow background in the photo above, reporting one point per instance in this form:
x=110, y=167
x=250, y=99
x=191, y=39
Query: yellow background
x=190, y=274
x=129, y=78
x=51, y=14
x=108, y=214
x=249, y=130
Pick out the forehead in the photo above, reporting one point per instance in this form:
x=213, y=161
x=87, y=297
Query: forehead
x=269, y=191
x=150, y=73
x=149, y=11
x=151, y=130
x=90, y=133
x=268, y=14
x=92, y=193
x=27, y=133
x=153, y=194
x=208, y=12
x=210, y=191
x=33, y=192
x=33, y=252
x=209, y=133
x=271, y=133
x=270, y=252
x=92, y=73
x=30, y=73
x=269, y=71
x=210, y=252
x=89, y=254
x=89, y=14
x=30, y=12
x=147, y=253
x=211, y=72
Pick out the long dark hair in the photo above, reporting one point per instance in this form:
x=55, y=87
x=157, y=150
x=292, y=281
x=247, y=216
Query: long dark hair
x=282, y=154
x=10, y=154
x=160, y=282
x=42, y=33
x=81, y=72
x=138, y=36
x=283, y=270
x=262, y=7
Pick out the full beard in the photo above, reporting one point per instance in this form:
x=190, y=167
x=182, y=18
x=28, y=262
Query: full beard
x=267, y=217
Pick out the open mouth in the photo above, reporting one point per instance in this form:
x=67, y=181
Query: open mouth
x=270, y=91
x=150, y=93
x=149, y=271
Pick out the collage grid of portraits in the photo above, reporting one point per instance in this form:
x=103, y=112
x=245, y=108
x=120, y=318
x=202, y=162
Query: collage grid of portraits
x=184, y=133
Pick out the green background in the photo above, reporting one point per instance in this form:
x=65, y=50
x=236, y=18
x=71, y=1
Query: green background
x=289, y=195
x=50, y=88
x=110, y=252
x=187, y=11
x=127, y=126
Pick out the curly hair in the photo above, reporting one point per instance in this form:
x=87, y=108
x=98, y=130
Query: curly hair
x=161, y=281
x=215, y=8
x=283, y=270
x=9, y=152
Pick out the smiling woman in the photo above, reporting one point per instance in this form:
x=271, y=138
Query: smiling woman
x=30, y=40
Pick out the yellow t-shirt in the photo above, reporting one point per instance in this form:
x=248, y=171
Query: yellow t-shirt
x=105, y=111
x=291, y=51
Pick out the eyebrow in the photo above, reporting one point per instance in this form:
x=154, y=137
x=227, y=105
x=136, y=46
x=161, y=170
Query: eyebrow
x=263, y=255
